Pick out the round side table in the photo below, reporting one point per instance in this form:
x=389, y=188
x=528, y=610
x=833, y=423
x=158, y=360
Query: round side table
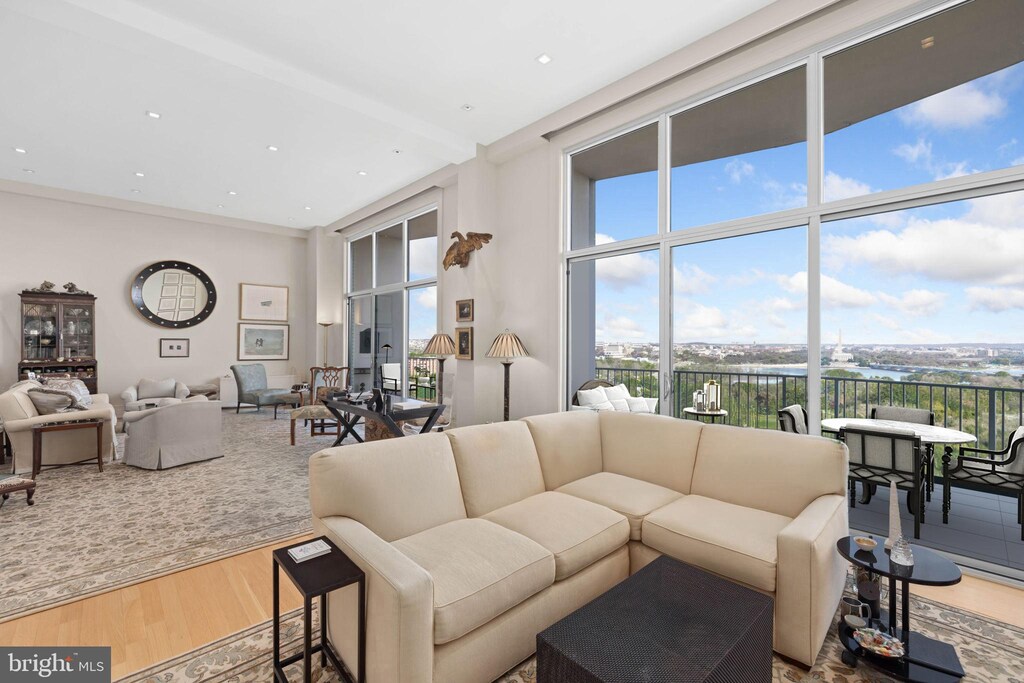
x=711, y=414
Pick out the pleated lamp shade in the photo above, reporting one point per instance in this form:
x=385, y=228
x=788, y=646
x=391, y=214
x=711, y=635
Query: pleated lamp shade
x=507, y=345
x=440, y=345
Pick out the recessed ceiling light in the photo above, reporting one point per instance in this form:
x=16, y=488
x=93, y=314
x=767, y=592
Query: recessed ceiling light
x=544, y=58
x=308, y=208
x=20, y=150
x=232, y=193
x=28, y=170
x=220, y=206
x=360, y=172
x=152, y=114
x=927, y=42
x=467, y=107
x=271, y=148
x=397, y=151
x=140, y=174
x=135, y=190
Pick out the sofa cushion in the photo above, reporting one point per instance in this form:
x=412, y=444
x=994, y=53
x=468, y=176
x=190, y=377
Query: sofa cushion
x=568, y=445
x=591, y=397
x=479, y=570
x=736, y=542
x=74, y=386
x=50, y=401
x=576, y=531
x=156, y=388
x=619, y=392
x=633, y=498
x=653, y=448
x=497, y=465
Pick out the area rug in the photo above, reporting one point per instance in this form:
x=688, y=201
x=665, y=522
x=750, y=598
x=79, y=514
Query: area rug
x=91, y=532
x=990, y=651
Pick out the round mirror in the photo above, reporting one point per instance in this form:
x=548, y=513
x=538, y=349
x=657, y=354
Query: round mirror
x=173, y=294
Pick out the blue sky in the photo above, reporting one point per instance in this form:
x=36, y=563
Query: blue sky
x=940, y=274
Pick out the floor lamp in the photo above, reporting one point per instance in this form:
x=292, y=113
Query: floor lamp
x=325, y=325
x=440, y=345
x=507, y=345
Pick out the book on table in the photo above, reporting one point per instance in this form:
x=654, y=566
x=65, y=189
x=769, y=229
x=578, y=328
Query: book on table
x=309, y=550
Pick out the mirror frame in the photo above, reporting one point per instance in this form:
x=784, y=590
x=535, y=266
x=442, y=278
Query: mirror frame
x=150, y=316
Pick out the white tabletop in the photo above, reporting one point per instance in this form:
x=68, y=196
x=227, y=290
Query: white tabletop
x=716, y=413
x=928, y=433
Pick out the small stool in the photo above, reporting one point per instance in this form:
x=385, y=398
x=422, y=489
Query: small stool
x=12, y=484
x=313, y=413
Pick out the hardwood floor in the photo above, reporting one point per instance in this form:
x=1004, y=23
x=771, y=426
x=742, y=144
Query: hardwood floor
x=149, y=622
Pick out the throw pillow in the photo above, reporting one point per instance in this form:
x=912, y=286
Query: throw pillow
x=51, y=401
x=617, y=393
x=591, y=397
x=619, y=405
x=74, y=386
x=156, y=388
x=604, y=405
x=638, y=405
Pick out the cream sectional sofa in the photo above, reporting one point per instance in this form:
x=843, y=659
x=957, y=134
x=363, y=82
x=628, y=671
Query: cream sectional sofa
x=476, y=539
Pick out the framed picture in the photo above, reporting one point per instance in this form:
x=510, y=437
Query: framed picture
x=263, y=302
x=464, y=311
x=174, y=348
x=262, y=342
x=464, y=343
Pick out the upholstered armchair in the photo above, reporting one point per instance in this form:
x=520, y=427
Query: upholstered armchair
x=153, y=393
x=172, y=435
x=252, y=388
x=59, y=448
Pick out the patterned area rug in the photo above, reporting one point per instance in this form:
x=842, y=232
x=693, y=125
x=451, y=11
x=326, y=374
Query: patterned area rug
x=90, y=532
x=990, y=651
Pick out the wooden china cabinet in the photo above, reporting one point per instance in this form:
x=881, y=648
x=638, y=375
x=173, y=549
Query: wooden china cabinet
x=58, y=335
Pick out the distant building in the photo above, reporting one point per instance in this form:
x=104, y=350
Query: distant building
x=840, y=357
x=613, y=350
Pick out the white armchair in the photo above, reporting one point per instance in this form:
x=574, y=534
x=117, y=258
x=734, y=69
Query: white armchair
x=177, y=434
x=152, y=393
x=19, y=415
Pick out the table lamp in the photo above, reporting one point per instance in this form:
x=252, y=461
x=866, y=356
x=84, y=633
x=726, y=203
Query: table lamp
x=440, y=345
x=507, y=345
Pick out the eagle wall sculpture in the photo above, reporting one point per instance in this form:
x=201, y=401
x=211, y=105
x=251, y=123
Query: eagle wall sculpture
x=458, y=253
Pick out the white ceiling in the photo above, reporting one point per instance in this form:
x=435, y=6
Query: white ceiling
x=336, y=86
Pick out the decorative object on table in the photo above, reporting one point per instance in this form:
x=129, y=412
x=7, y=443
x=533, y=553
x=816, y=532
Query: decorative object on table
x=464, y=311
x=901, y=552
x=464, y=343
x=252, y=388
x=712, y=395
x=174, y=348
x=865, y=542
x=262, y=341
x=46, y=287
x=698, y=399
x=508, y=346
x=264, y=303
x=895, y=524
x=72, y=288
x=879, y=643
x=440, y=346
x=12, y=484
x=173, y=294
x=849, y=605
x=458, y=254
x=58, y=335
x=855, y=622
x=308, y=551
x=326, y=325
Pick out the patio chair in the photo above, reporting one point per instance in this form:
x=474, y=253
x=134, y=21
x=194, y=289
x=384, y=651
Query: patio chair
x=919, y=416
x=793, y=419
x=252, y=388
x=881, y=456
x=997, y=472
x=391, y=378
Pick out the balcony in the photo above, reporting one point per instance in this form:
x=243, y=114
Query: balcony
x=982, y=527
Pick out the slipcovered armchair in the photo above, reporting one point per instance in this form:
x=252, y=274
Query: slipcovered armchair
x=19, y=416
x=252, y=388
x=153, y=393
x=172, y=435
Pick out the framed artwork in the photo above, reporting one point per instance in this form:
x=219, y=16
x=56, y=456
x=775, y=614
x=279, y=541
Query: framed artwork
x=174, y=348
x=464, y=343
x=263, y=302
x=262, y=342
x=464, y=311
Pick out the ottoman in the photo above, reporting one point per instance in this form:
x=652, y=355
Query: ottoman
x=668, y=623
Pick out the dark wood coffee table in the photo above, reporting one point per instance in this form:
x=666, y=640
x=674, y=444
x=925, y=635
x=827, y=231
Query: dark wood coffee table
x=668, y=623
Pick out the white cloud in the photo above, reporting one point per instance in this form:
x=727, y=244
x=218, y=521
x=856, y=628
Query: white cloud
x=1019, y=161
x=738, y=170
x=781, y=197
x=964, y=106
x=995, y=299
x=834, y=294
x=688, y=279
x=920, y=155
x=916, y=301
x=427, y=297
x=838, y=187
x=621, y=328
x=697, y=322
x=921, y=151
x=781, y=304
x=983, y=246
x=628, y=270
x=423, y=257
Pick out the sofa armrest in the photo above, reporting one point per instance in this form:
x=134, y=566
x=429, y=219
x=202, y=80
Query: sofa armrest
x=130, y=394
x=399, y=606
x=100, y=399
x=811, y=577
x=103, y=412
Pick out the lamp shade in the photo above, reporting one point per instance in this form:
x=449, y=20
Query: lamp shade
x=507, y=345
x=440, y=345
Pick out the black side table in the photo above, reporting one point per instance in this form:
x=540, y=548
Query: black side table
x=318, y=577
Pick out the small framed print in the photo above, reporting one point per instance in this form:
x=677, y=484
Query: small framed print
x=262, y=342
x=263, y=302
x=464, y=343
x=174, y=348
x=464, y=311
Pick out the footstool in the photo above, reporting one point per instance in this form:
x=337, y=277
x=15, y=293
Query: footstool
x=315, y=413
x=12, y=484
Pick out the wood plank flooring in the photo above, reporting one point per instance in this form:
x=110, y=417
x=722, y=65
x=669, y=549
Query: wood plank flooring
x=152, y=621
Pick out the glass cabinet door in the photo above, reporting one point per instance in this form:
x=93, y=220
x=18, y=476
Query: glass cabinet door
x=78, y=331
x=40, y=335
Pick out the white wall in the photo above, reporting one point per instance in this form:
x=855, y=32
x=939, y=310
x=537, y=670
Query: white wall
x=102, y=249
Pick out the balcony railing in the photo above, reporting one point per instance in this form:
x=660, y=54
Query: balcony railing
x=753, y=399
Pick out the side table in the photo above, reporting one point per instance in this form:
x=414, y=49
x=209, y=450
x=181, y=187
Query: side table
x=712, y=414
x=37, y=442
x=313, y=578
